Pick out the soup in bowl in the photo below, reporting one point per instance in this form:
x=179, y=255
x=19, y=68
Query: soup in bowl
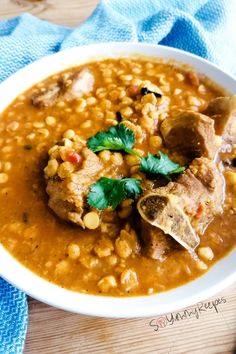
x=118, y=179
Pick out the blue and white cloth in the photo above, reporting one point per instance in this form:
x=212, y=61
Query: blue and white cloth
x=13, y=319
x=204, y=27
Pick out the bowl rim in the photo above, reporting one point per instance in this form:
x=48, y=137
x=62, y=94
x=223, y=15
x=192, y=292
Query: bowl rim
x=219, y=276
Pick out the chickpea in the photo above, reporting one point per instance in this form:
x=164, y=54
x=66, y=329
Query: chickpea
x=132, y=160
x=149, y=65
x=51, y=168
x=107, y=283
x=65, y=169
x=201, y=265
x=149, y=98
x=51, y=121
x=126, y=112
x=7, y=166
x=136, y=82
x=73, y=251
x=44, y=132
x=206, y=253
x=177, y=91
x=7, y=149
x=69, y=134
x=13, y=126
x=110, y=115
x=202, y=89
x=67, y=142
x=91, y=101
x=89, y=262
x=179, y=76
x=3, y=177
x=104, y=248
x=122, y=248
x=86, y=124
x=155, y=142
x=127, y=101
x=112, y=260
x=114, y=95
x=38, y=125
x=81, y=105
x=91, y=220
x=62, y=267
x=129, y=278
x=126, y=77
x=136, y=70
x=117, y=158
x=31, y=136
x=105, y=155
x=150, y=291
x=194, y=101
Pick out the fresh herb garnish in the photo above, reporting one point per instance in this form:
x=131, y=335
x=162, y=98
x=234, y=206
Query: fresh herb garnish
x=162, y=165
x=144, y=91
x=111, y=192
x=118, y=138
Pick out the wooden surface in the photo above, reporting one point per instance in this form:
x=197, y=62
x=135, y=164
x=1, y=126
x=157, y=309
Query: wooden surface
x=63, y=12
x=52, y=331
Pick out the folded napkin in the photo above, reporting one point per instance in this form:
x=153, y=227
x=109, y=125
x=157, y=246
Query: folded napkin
x=203, y=27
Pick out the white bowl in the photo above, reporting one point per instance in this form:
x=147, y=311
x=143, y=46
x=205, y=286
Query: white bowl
x=218, y=277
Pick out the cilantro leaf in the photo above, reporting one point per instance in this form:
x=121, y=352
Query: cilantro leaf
x=118, y=138
x=111, y=192
x=97, y=196
x=162, y=165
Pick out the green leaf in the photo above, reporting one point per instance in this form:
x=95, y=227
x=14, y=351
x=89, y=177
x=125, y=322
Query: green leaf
x=111, y=192
x=97, y=196
x=118, y=138
x=162, y=165
x=132, y=187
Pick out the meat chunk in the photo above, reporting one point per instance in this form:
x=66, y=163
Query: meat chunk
x=183, y=209
x=223, y=111
x=191, y=134
x=201, y=191
x=82, y=83
x=161, y=209
x=46, y=98
x=70, y=171
x=68, y=87
x=67, y=189
x=156, y=244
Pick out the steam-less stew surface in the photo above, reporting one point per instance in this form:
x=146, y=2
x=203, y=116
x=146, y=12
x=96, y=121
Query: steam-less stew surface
x=97, y=214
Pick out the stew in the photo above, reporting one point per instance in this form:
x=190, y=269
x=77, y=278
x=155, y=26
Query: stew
x=112, y=177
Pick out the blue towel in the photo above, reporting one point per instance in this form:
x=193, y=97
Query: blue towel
x=203, y=27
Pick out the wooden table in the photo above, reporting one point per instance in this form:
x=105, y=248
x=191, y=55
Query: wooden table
x=207, y=329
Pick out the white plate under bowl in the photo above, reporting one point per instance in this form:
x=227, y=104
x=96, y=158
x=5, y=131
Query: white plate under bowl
x=217, y=278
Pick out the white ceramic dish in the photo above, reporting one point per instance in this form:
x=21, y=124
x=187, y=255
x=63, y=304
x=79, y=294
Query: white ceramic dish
x=217, y=278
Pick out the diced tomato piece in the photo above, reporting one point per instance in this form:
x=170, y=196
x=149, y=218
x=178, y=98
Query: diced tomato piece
x=74, y=158
x=133, y=90
x=199, y=211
